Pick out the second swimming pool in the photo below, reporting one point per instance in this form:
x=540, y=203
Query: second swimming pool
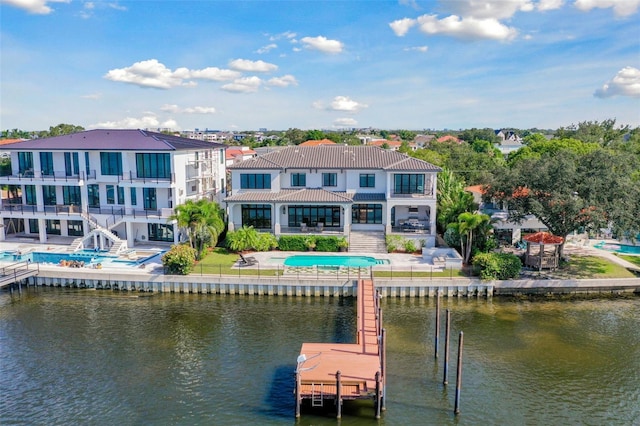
x=347, y=261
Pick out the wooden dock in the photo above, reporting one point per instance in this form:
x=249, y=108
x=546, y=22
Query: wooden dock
x=17, y=272
x=329, y=373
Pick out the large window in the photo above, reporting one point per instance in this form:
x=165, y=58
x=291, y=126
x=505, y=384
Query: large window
x=111, y=194
x=120, y=190
x=160, y=232
x=408, y=184
x=111, y=163
x=71, y=195
x=329, y=179
x=52, y=226
x=87, y=165
x=34, y=226
x=311, y=215
x=30, y=195
x=149, y=195
x=74, y=228
x=153, y=165
x=46, y=163
x=366, y=213
x=256, y=215
x=255, y=181
x=298, y=179
x=134, y=196
x=93, y=192
x=49, y=195
x=25, y=162
x=71, y=164
x=367, y=180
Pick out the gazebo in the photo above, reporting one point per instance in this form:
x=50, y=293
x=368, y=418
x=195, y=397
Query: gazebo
x=547, y=255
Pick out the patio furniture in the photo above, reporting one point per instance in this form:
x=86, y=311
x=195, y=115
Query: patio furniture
x=303, y=227
x=319, y=227
x=246, y=261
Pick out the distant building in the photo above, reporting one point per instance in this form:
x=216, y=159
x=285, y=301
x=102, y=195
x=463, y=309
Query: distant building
x=317, y=142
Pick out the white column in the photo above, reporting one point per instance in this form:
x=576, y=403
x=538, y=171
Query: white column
x=42, y=230
x=277, y=214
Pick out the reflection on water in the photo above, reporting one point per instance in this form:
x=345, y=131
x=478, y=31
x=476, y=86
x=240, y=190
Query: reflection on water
x=97, y=357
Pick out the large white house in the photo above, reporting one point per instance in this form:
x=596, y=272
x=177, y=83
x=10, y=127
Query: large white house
x=334, y=188
x=113, y=187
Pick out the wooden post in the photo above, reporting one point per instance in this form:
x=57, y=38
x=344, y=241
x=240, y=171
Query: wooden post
x=338, y=395
x=378, y=395
x=297, y=394
x=459, y=375
x=437, y=323
x=383, y=368
x=445, y=380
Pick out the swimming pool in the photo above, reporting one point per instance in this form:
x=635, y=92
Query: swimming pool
x=334, y=261
x=619, y=248
x=89, y=257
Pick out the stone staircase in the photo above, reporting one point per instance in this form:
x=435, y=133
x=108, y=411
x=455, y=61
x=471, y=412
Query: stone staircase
x=117, y=245
x=367, y=242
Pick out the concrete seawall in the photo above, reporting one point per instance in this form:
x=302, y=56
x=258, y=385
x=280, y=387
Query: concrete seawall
x=312, y=287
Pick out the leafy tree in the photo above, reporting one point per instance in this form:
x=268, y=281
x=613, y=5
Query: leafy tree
x=314, y=135
x=407, y=135
x=472, y=135
x=539, y=146
x=497, y=266
x=603, y=133
x=60, y=129
x=293, y=137
x=244, y=238
x=15, y=134
x=568, y=192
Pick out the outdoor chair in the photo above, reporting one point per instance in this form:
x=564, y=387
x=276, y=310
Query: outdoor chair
x=246, y=261
x=319, y=227
x=303, y=227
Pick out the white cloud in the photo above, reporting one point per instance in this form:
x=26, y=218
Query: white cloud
x=151, y=73
x=243, y=85
x=214, y=73
x=148, y=121
x=620, y=7
x=488, y=9
x=322, y=44
x=625, y=83
x=286, y=35
x=402, y=26
x=267, y=48
x=345, y=122
x=39, y=7
x=344, y=103
x=416, y=49
x=117, y=6
x=189, y=110
x=549, y=4
x=466, y=28
x=284, y=81
x=252, y=66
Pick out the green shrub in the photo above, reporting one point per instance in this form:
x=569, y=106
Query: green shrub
x=292, y=243
x=266, y=241
x=497, y=266
x=409, y=246
x=248, y=238
x=179, y=260
x=393, y=242
x=327, y=243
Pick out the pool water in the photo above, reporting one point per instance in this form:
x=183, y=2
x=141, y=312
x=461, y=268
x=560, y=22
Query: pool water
x=619, y=248
x=334, y=261
x=89, y=257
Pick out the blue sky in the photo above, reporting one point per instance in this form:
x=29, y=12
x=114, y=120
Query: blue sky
x=245, y=65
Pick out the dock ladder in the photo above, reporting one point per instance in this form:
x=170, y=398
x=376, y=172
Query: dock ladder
x=317, y=398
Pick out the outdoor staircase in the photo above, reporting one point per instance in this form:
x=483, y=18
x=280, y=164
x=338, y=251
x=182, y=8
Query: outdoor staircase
x=367, y=242
x=117, y=245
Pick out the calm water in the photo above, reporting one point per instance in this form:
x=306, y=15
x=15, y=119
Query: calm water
x=95, y=357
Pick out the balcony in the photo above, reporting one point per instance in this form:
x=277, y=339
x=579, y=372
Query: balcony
x=132, y=177
x=30, y=176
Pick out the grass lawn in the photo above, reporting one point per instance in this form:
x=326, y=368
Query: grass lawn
x=633, y=259
x=582, y=267
x=221, y=262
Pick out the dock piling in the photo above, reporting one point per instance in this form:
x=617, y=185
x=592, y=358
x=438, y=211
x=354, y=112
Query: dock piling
x=437, y=338
x=445, y=379
x=459, y=374
x=338, y=395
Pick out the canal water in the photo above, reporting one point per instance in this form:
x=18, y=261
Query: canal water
x=97, y=357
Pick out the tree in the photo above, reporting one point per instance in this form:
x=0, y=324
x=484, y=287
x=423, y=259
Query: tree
x=293, y=137
x=314, y=135
x=603, y=133
x=569, y=192
x=467, y=225
x=61, y=129
x=202, y=221
x=453, y=200
x=472, y=135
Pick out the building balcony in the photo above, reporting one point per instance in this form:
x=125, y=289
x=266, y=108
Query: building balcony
x=133, y=178
x=31, y=177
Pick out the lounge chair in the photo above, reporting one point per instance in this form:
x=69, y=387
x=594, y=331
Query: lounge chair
x=319, y=227
x=246, y=261
x=303, y=227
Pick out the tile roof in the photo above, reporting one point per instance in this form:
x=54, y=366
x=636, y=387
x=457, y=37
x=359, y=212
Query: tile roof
x=316, y=195
x=118, y=140
x=9, y=141
x=318, y=143
x=336, y=157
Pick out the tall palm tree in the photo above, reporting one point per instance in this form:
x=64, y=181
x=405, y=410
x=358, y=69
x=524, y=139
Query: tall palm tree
x=468, y=223
x=202, y=220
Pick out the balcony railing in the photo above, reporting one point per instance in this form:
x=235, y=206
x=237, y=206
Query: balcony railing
x=20, y=209
x=55, y=176
x=132, y=177
x=114, y=213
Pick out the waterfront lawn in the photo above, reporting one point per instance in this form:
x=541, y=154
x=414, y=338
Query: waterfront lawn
x=222, y=262
x=633, y=259
x=583, y=267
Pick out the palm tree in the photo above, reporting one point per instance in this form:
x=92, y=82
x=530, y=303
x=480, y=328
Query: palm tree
x=452, y=199
x=202, y=220
x=467, y=224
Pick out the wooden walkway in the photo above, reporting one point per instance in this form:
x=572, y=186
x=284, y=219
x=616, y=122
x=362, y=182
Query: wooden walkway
x=329, y=373
x=17, y=272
